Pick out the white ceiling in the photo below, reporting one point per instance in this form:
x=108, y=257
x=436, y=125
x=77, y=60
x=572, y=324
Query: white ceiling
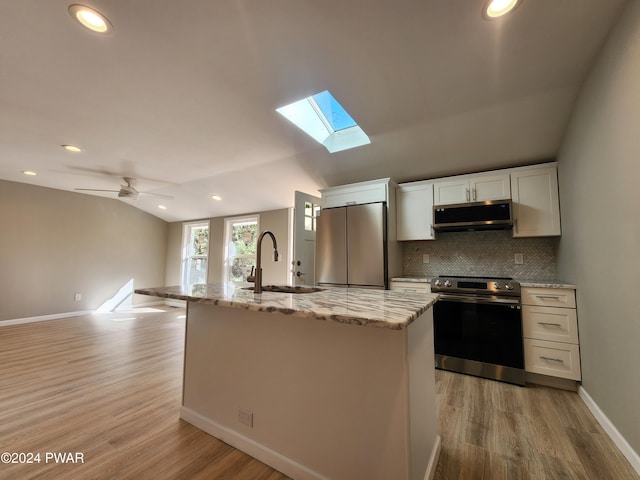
x=183, y=94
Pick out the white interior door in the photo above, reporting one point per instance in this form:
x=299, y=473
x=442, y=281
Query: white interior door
x=306, y=209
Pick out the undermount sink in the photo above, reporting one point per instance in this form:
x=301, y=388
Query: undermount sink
x=287, y=289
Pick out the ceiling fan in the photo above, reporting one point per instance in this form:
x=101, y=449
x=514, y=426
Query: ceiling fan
x=126, y=191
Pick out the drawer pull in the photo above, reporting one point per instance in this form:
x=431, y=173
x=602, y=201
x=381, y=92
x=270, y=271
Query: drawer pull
x=548, y=297
x=549, y=359
x=549, y=324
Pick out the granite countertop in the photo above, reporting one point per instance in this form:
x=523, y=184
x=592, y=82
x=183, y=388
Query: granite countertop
x=355, y=306
x=546, y=284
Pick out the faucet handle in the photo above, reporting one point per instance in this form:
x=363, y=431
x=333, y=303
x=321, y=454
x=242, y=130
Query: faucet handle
x=251, y=277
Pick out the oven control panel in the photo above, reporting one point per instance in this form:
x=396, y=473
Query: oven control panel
x=476, y=285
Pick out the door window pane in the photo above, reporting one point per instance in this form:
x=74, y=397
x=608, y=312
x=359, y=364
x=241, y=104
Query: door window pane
x=311, y=212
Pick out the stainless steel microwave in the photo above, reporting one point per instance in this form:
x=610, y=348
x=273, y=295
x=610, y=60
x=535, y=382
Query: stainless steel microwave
x=488, y=215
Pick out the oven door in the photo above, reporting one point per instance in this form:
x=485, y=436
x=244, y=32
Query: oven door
x=479, y=335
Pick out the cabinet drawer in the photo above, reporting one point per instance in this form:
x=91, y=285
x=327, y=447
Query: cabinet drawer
x=549, y=297
x=550, y=323
x=410, y=287
x=552, y=358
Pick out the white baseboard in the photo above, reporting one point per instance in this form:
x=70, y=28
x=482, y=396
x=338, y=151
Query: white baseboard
x=272, y=458
x=43, y=318
x=630, y=454
x=175, y=303
x=283, y=464
x=56, y=316
x=433, y=459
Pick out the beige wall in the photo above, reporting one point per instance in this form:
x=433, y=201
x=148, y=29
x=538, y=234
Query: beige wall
x=599, y=172
x=174, y=254
x=273, y=272
x=54, y=244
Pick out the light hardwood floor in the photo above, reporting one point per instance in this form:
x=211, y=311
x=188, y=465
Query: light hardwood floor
x=109, y=387
x=495, y=431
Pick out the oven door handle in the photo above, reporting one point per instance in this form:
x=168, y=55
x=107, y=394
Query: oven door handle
x=484, y=300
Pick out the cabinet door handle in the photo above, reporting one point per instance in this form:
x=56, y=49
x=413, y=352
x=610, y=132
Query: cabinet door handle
x=548, y=297
x=475, y=195
x=515, y=224
x=468, y=197
x=549, y=324
x=549, y=359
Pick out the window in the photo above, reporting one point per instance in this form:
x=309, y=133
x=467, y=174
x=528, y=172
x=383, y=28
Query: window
x=326, y=121
x=195, y=252
x=311, y=212
x=241, y=239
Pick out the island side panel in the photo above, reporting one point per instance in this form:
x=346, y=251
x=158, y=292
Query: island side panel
x=329, y=400
x=424, y=439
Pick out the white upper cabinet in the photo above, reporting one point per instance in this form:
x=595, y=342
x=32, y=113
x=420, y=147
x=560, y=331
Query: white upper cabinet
x=356, y=193
x=466, y=189
x=536, y=207
x=490, y=187
x=414, y=211
x=449, y=191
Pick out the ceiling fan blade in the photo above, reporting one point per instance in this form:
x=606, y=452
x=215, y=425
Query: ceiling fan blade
x=156, y=195
x=95, y=190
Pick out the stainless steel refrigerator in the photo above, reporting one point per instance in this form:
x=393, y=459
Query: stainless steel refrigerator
x=351, y=246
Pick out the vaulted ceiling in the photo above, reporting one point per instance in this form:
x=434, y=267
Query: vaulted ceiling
x=183, y=94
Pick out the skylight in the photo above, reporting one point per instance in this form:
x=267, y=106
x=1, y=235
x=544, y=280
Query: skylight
x=326, y=121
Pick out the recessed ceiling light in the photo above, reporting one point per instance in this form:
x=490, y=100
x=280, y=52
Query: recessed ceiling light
x=497, y=8
x=216, y=197
x=30, y=173
x=72, y=148
x=162, y=207
x=91, y=19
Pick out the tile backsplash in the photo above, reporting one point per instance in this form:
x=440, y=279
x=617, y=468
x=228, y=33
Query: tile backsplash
x=489, y=253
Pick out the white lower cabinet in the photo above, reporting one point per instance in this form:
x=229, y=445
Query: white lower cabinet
x=555, y=359
x=551, y=343
x=410, y=287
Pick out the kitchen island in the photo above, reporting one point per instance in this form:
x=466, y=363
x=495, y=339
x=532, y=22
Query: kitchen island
x=336, y=384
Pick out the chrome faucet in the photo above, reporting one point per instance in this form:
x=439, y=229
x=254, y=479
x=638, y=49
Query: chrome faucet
x=257, y=278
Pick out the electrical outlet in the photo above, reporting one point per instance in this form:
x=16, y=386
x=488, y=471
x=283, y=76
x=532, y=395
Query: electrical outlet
x=425, y=258
x=518, y=258
x=77, y=297
x=245, y=417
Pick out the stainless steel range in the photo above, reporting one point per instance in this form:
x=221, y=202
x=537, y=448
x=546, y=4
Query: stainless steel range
x=478, y=327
